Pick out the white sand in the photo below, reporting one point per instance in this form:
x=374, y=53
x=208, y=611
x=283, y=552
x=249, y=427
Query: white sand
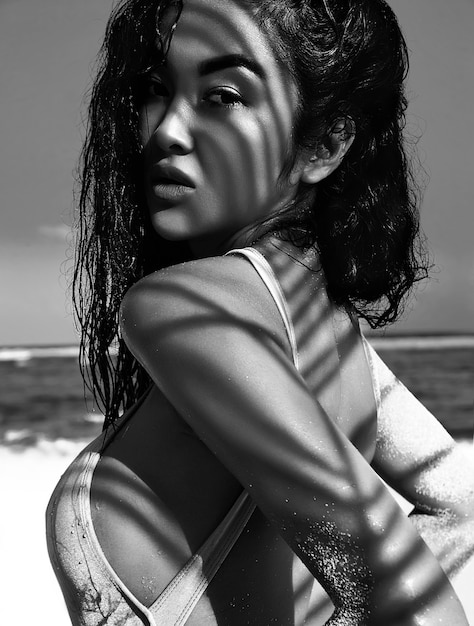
x=28, y=586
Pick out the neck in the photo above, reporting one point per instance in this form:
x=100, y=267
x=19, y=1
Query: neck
x=218, y=244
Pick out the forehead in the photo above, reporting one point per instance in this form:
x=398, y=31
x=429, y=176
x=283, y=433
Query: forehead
x=212, y=28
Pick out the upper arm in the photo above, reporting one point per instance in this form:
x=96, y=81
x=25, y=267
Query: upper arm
x=224, y=363
x=223, y=360
x=416, y=455
x=220, y=357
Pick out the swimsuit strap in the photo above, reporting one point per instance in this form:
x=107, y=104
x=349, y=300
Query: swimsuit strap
x=266, y=273
x=371, y=359
x=176, y=603
x=174, y=606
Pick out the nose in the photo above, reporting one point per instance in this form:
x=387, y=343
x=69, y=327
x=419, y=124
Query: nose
x=172, y=134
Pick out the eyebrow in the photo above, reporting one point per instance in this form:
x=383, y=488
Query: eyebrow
x=231, y=60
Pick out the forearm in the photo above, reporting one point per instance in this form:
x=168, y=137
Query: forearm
x=445, y=609
x=412, y=593
x=375, y=567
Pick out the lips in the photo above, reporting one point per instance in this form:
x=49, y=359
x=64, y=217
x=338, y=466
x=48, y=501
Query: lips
x=164, y=174
x=169, y=185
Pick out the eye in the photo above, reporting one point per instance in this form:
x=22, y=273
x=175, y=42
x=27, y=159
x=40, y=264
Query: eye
x=155, y=88
x=225, y=97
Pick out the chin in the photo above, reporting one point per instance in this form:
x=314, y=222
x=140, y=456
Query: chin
x=171, y=230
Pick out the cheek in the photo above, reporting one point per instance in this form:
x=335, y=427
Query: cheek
x=269, y=145
x=144, y=126
x=244, y=159
x=148, y=120
x=233, y=163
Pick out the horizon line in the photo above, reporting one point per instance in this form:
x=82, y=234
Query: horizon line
x=403, y=340
x=369, y=333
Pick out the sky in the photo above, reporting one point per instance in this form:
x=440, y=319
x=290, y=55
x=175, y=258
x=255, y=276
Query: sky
x=47, y=50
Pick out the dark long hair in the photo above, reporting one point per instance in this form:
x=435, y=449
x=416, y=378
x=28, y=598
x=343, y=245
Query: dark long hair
x=349, y=61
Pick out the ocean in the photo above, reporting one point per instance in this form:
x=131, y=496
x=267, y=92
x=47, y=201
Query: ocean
x=42, y=396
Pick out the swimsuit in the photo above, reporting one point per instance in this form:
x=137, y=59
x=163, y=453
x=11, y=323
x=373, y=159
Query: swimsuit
x=93, y=592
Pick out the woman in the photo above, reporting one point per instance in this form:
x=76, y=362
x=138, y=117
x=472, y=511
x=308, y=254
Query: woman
x=245, y=172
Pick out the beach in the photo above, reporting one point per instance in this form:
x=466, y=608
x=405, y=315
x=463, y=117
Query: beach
x=45, y=422
x=30, y=591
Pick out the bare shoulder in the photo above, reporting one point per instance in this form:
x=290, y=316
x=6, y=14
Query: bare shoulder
x=212, y=290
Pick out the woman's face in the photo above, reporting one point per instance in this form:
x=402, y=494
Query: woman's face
x=216, y=126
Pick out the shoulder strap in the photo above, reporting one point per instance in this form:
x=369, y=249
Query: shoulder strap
x=264, y=269
x=371, y=359
x=174, y=606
